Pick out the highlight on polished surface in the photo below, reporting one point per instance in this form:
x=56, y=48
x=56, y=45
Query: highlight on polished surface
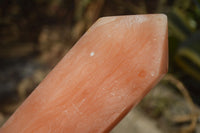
x=107, y=72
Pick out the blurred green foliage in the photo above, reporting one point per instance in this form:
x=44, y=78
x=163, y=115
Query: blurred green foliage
x=184, y=44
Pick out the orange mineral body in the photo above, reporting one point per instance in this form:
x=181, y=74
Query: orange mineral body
x=108, y=71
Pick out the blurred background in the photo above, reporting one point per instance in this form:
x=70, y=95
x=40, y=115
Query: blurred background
x=35, y=34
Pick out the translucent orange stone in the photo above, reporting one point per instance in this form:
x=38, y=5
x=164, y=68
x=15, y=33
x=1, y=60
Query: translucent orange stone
x=109, y=70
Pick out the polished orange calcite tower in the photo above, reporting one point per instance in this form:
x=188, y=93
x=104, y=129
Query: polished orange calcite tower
x=108, y=71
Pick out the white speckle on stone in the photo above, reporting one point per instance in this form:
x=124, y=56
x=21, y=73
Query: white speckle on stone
x=152, y=73
x=112, y=93
x=92, y=54
x=66, y=111
x=82, y=102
